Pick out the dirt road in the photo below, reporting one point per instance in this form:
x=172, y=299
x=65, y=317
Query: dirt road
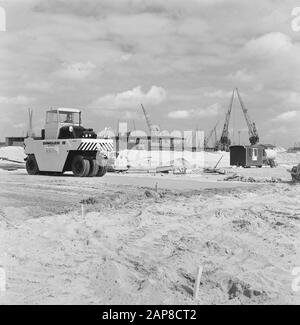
x=41, y=195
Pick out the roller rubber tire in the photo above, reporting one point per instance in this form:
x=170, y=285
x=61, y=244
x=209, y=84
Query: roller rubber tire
x=94, y=168
x=102, y=171
x=80, y=166
x=32, y=166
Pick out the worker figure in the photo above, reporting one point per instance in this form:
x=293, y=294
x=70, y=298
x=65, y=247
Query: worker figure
x=69, y=118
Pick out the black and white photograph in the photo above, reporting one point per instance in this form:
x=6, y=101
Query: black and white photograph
x=149, y=155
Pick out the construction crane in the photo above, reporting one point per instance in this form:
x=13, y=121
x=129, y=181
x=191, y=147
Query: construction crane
x=153, y=129
x=133, y=124
x=225, y=142
x=253, y=134
x=206, y=139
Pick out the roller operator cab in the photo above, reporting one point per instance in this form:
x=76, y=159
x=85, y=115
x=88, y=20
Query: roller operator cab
x=66, y=145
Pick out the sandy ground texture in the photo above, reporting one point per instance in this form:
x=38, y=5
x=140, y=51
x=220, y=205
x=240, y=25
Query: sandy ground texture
x=136, y=245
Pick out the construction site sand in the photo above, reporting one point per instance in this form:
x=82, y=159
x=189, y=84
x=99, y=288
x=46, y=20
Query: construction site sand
x=146, y=159
x=12, y=153
x=142, y=158
x=134, y=245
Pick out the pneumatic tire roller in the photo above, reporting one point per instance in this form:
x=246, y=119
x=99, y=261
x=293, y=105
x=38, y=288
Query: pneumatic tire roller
x=67, y=146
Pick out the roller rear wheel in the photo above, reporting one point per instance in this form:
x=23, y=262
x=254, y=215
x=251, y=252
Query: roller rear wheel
x=32, y=166
x=80, y=166
x=94, y=168
x=102, y=171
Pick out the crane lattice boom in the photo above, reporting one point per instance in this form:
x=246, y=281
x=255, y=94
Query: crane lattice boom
x=152, y=128
x=213, y=131
x=225, y=141
x=253, y=135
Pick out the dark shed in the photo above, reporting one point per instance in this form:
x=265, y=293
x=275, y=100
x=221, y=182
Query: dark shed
x=247, y=156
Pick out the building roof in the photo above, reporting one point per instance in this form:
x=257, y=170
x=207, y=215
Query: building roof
x=154, y=137
x=67, y=110
x=258, y=145
x=270, y=145
x=14, y=138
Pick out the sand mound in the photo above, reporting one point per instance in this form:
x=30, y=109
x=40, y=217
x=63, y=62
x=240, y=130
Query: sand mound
x=288, y=159
x=12, y=153
x=147, y=159
x=279, y=149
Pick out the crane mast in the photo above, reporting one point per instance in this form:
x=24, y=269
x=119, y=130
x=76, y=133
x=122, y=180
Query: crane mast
x=152, y=128
x=146, y=117
x=213, y=131
x=225, y=141
x=216, y=136
x=253, y=134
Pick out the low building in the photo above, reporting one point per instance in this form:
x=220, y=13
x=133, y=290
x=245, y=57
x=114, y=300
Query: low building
x=150, y=143
x=14, y=141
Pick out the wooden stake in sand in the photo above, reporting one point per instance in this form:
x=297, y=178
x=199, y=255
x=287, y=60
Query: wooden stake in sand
x=156, y=187
x=82, y=210
x=197, y=282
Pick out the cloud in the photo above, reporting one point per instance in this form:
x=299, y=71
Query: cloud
x=125, y=57
x=217, y=93
x=279, y=130
x=293, y=98
x=272, y=59
x=209, y=111
x=286, y=116
x=38, y=86
x=93, y=8
x=130, y=99
x=76, y=70
x=180, y=114
x=241, y=76
x=269, y=45
x=18, y=100
x=20, y=126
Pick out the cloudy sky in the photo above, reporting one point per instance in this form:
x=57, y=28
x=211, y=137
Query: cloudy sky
x=181, y=59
